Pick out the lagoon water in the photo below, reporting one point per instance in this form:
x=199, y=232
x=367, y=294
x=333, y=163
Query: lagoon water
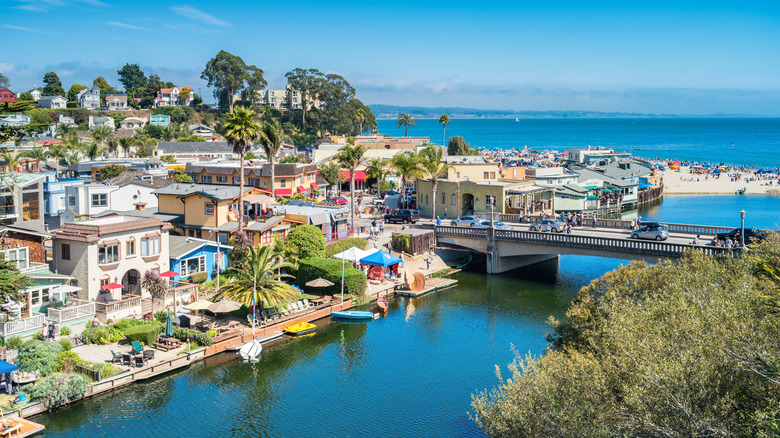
x=743, y=141
x=409, y=374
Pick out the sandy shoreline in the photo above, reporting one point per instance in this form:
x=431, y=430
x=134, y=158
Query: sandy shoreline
x=683, y=182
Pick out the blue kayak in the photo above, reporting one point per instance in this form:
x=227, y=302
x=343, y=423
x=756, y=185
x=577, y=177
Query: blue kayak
x=352, y=314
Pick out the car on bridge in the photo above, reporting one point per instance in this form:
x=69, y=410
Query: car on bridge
x=403, y=216
x=466, y=221
x=556, y=226
x=651, y=231
x=752, y=235
x=497, y=225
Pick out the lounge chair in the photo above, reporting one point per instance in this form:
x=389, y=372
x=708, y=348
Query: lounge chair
x=306, y=303
x=117, y=357
x=127, y=359
x=140, y=361
x=137, y=348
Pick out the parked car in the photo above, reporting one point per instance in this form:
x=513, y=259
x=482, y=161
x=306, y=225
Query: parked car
x=340, y=200
x=752, y=235
x=388, y=193
x=651, y=231
x=497, y=224
x=466, y=221
x=402, y=216
x=556, y=226
x=376, y=202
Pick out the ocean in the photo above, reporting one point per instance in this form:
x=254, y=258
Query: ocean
x=741, y=141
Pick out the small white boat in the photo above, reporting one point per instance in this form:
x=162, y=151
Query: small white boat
x=251, y=350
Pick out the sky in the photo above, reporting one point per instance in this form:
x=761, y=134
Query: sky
x=677, y=57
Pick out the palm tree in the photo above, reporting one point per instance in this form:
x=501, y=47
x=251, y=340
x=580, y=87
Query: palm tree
x=113, y=146
x=360, y=115
x=144, y=143
x=72, y=141
x=74, y=157
x=407, y=166
x=62, y=130
x=433, y=167
x=12, y=160
x=444, y=120
x=258, y=270
x=377, y=168
x=92, y=150
x=271, y=142
x=58, y=152
x=241, y=130
x=406, y=119
x=155, y=285
x=36, y=153
x=126, y=143
x=101, y=134
x=350, y=157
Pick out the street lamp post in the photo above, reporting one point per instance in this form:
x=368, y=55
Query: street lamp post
x=742, y=229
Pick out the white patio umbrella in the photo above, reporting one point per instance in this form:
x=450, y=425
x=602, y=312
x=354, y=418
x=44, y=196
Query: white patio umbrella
x=200, y=305
x=224, y=306
x=354, y=254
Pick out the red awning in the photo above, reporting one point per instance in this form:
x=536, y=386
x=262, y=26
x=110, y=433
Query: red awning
x=283, y=192
x=314, y=185
x=301, y=189
x=360, y=175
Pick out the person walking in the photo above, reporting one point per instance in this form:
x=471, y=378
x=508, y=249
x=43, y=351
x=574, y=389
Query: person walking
x=438, y=220
x=51, y=332
x=445, y=212
x=568, y=228
x=594, y=220
x=381, y=228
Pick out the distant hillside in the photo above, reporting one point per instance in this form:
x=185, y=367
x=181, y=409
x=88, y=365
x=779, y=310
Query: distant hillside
x=391, y=111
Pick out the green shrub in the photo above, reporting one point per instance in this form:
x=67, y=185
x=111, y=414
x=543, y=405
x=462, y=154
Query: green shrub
x=14, y=343
x=101, y=335
x=66, y=344
x=38, y=355
x=59, y=389
x=38, y=336
x=200, y=277
x=146, y=333
x=330, y=269
x=106, y=369
x=67, y=361
x=161, y=316
x=65, y=331
x=343, y=245
x=401, y=242
x=307, y=240
x=198, y=338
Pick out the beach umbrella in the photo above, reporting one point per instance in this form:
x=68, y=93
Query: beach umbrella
x=169, y=274
x=111, y=286
x=320, y=282
x=169, y=326
x=200, y=305
x=224, y=306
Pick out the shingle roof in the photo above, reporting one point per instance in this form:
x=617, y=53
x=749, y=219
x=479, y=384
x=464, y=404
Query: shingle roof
x=126, y=178
x=219, y=192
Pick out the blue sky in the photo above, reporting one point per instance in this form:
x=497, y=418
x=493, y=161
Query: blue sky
x=665, y=57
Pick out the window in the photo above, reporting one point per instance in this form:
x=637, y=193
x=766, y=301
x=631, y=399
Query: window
x=206, y=179
x=30, y=206
x=426, y=200
x=209, y=207
x=108, y=254
x=267, y=237
x=150, y=246
x=39, y=297
x=65, y=251
x=17, y=256
x=301, y=179
x=457, y=174
x=104, y=281
x=71, y=200
x=492, y=175
x=100, y=200
x=452, y=199
x=254, y=182
x=282, y=182
x=132, y=277
x=7, y=205
x=221, y=178
x=236, y=181
x=61, y=203
x=443, y=198
x=265, y=184
x=130, y=247
x=193, y=265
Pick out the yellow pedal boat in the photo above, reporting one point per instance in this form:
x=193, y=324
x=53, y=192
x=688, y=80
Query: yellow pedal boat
x=301, y=328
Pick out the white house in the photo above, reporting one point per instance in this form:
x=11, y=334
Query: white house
x=112, y=249
x=52, y=102
x=170, y=97
x=98, y=122
x=89, y=97
x=92, y=199
x=17, y=119
x=36, y=94
x=116, y=102
x=202, y=130
x=132, y=123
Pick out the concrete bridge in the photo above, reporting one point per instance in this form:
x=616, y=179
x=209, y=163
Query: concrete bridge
x=512, y=249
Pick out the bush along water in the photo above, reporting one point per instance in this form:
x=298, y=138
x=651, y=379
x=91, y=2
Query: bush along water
x=59, y=389
x=198, y=338
x=38, y=355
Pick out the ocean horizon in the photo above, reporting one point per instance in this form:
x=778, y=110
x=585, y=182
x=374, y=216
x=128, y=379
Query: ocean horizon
x=748, y=141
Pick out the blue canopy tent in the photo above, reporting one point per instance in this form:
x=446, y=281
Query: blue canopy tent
x=381, y=258
x=5, y=371
x=645, y=185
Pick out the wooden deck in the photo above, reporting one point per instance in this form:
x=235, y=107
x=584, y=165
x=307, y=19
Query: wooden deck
x=21, y=428
x=431, y=285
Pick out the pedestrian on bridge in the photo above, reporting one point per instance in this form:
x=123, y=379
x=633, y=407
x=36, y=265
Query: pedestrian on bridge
x=594, y=220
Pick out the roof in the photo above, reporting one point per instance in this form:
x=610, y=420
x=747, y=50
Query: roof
x=33, y=228
x=127, y=178
x=91, y=229
x=527, y=190
x=586, y=174
x=47, y=98
x=184, y=147
x=148, y=212
x=466, y=159
x=180, y=246
x=218, y=192
x=254, y=168
x=24, y=178
x=262, y=226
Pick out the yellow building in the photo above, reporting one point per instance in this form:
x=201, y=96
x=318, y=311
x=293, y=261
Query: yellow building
x=471, y=168
x=291, y=178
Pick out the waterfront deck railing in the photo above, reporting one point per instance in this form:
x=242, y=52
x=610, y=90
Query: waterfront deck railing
x=634, y=246
x=707, y=230
x=34, y=322
x=127, y=302
x=82, y=310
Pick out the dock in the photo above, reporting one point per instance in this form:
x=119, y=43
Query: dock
x=431, y=285
x=19, y=427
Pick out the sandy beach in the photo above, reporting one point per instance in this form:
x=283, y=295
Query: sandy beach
x=685, y=182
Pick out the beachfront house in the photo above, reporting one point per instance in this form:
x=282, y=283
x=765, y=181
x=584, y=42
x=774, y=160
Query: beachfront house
x=115, y=249
x=605, y=191
x=333, y=221
x=590, y=155
x=196, y=260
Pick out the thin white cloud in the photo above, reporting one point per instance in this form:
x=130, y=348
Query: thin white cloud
x=192, y=28
x=31, y=8
x=38, y=5
x=26, y=29
x=195, y=14
x=129, y=26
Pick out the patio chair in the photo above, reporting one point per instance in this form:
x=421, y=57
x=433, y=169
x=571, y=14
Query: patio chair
x=127, y=359
x=139, y=361
x=116, y=357
x=137, y=348
x=306, y=303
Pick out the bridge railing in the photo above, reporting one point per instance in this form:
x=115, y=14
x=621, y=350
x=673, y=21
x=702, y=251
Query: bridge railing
x=634, y=246
x=617, y=223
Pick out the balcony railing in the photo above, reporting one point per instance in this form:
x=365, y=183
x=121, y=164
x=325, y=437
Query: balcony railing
x=64, y=314
x=127, y=302
x=34, y=322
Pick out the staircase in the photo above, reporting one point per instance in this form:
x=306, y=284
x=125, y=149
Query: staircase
x=146, y=306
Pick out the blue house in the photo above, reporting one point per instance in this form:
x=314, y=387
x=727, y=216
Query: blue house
x=160, y=120
x=54, y=199
x=192, y=256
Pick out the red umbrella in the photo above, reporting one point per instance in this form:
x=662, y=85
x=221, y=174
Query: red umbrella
x=110, y=286
x=169, y=274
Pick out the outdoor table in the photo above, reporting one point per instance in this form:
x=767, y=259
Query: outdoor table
x=148, y=354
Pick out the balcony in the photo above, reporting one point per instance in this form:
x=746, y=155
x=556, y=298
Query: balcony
x=20, y=326
x=81, y=309
x=128, y=306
